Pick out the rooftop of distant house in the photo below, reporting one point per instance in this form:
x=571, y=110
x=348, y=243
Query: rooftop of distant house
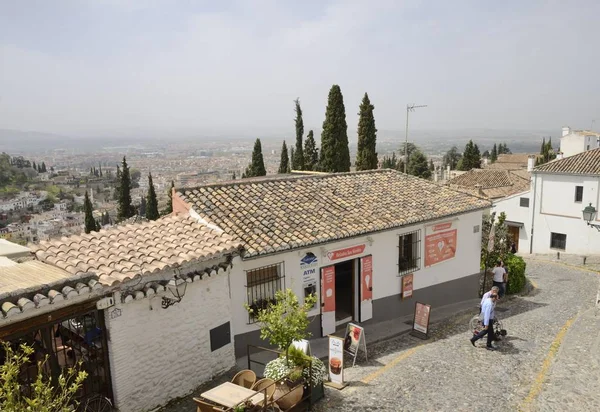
x=274, y=214
x=584, y=163
x=514, y=161
x=492, y=183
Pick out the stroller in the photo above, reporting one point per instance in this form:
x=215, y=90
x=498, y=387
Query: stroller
x=476, y=326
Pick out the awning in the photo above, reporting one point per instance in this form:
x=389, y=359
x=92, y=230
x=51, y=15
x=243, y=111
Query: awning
x=514, y=224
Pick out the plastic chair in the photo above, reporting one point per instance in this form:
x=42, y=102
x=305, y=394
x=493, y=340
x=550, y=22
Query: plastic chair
x=267, y=385
x=206, y=407
x=245, y=378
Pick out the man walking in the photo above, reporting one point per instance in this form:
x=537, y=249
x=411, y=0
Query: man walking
x=498, y=279
x=488, y=314
x=494, y=290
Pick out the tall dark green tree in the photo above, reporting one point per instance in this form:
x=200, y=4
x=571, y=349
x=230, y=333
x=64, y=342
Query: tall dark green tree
x=100, y=169
x=311, y=153
x=451, y=158
x=44, y=170
x=366, y=156
x=417, y=165
x=335, y=154
x=431, y=165
x=142, y=209
x=34, y=166
x=471, y=157
x=494, y=154
x=257, y=167
x=125, y=208
x=298, y=159
x=90, y=223
x=284, y=162
x=169, y=207
x=151, y=201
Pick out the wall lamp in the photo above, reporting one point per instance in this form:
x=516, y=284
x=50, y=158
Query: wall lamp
x=177, y=288
x=589, y=213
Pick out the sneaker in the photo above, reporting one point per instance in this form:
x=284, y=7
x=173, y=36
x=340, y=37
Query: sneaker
x=472, y=342
x=490, y=348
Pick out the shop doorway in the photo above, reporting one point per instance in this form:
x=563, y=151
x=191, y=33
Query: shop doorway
x=513, y=232
x=344, y=292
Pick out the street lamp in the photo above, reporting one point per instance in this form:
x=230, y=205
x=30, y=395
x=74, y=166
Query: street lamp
x=409, y=108
x=177, y=288
x=589, y=213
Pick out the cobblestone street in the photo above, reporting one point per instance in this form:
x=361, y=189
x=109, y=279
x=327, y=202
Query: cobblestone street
x=549, y=360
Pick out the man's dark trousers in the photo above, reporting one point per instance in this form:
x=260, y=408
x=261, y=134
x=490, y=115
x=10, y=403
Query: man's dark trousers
x=500, y=287
x=489, y=332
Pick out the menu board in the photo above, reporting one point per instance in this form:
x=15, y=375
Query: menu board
x=336, y=360
x=421, y=320
x=407, y=286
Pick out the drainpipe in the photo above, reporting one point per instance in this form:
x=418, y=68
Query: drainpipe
x=533, y=214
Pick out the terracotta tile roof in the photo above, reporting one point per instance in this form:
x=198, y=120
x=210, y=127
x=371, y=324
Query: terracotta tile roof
x=126, y=252
x=272, y=215
x=493, y=183
x=585, y=163
x=515, y=161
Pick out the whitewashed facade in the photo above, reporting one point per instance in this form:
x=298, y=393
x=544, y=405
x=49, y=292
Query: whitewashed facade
x=518, y=210
x=573, y=142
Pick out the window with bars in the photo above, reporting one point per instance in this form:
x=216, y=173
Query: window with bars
x=261, y=286
x=558, y=241
x=409, y=252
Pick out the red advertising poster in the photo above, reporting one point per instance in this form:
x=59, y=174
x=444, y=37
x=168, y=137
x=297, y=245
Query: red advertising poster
x=328, y=291
x=407, y=286
x=440, y=242
x=346, y=252
x=421, y=320
x=366, y=265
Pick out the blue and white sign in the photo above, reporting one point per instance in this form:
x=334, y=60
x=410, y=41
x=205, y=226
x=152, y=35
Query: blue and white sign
x=309, y=266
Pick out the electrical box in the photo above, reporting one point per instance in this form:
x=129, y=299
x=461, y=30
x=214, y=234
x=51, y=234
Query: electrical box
x=105, y=303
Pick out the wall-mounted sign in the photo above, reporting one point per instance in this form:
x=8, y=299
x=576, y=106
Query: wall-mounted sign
x=336, y=360
x=346, y=252
x=407, y=286
x=328, y=291
x=354, y=340
x=366, y=276
x=421, y=320
x=309, y=266
x=440, y=242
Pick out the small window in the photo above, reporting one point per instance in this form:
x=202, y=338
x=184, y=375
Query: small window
x=578, y=193
x=476, y=229
x=524, y=202
x=261, y=286
x=558, y=241
x=409, y=252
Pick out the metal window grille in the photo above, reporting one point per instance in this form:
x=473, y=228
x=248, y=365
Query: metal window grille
x=558, y=241
x=409, y=252
x=261, y=286
x=524, y=202
x=578, y=193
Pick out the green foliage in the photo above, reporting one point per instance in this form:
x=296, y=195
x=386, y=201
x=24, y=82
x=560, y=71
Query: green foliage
x=311, y=153
x=284, y=320
x=494, y=154
x=547, y=153
x=366, y=156
x=516, y=273
x=471, y=158
x=90, y=223
x=502, y=240
x=257, y=167
x=45, y=396
x=281, y=368
x=151, y=201
x=169, y=208
x=335, y=154
x=451, y=158
x=284, y=163
x=417, y=165
x=125, y=209
x=390, y=162
x=298, y=158
x=503, y=149
x=431, y=165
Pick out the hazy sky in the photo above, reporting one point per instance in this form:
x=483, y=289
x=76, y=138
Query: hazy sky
x=126, y=67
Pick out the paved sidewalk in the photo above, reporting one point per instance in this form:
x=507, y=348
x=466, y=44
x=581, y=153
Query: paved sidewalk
x=592, y=262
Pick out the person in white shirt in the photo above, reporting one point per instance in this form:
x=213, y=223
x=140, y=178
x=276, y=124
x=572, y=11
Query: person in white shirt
x=487, y=294
x=499, y=276
x=488, y=314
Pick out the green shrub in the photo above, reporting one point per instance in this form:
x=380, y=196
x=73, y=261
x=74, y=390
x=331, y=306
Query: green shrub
x=516, y=273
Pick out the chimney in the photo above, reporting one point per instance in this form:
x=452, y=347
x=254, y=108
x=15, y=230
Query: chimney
x=566, y=130
x=479, y=190
x=530, y=163
x=559, y=155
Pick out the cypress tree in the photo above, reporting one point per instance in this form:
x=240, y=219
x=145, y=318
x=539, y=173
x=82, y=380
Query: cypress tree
x=471, y=157
x=90, y=223
x=366, y=157
x=125, y=208
x=151, y=202
x=44, y=167
x=169, y=208
x=335, y=154
x=431, y=165
x=417, y=165
x=257, y=167
x=118, y=172
x=284, y=163
x=142, y=209
x=298, y=159
x=100, y=169
x=311, y=153
x=494, y=155
x=33, y=165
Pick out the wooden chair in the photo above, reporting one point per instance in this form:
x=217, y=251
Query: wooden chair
x=206, y=407
x=267, y=385
x=245, y=378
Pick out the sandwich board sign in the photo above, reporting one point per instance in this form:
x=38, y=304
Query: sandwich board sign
x=354, y=339
x=421, y=320
x=336, y=362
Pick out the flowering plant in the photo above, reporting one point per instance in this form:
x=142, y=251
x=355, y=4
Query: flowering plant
x=278, y=369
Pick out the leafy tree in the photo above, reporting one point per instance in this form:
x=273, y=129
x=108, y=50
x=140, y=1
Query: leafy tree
x=335, y=154
x=471, y=157
x=366, y=156
x=486, y=154
x=494, y=154
x=169, y=208
x=285, y=320
x=257, y=167
x=125, y=208
x=417, y=165
x=451, y=158
x=546, y=153
x=45, y=396
x=503, y=149
x=311, y=153
x=298, y=158
x=151, y=201
x=390, y=162
x=90, y=222
x=284, y=163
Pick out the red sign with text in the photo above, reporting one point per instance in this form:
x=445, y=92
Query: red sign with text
x=346, y=252
x=440, y=243
x=366, y=275
x=328, y=292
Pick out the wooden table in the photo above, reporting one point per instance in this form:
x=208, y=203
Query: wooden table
x=229, y=394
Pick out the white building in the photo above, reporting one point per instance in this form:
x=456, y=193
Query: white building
x=573, y=142
x=356, y=236
x=561, y=190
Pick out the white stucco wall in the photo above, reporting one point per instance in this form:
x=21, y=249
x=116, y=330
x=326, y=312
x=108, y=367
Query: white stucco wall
x=384, y=250
x=574, y=143
x=158, y=354
x=556, y=211
x=511, y=206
